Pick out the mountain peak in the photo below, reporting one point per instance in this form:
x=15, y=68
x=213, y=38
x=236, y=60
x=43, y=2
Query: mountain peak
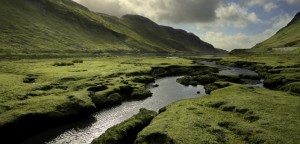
x=137, y=18
x=132, y=16
x=295, y=19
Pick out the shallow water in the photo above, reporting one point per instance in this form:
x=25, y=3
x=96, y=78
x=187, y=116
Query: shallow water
x=235, y=71
x=230, y=70
x=83, y=132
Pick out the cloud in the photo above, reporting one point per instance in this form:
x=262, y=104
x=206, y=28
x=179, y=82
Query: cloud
x=210, y=16
x=231, y=15
x=278, y=22
x=293, y=1
x=227, y=42
x=239, y=40
x=175, y=11
x=236, y=15
x=267, y=5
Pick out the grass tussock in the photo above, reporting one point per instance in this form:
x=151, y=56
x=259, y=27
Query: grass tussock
x=77, y=61
x=63, y=64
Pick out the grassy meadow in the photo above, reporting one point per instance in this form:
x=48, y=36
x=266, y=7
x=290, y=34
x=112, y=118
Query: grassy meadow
x=34, y=92
x=235, y=114
x=59, y=83
x=45, y=93
x=231, y=112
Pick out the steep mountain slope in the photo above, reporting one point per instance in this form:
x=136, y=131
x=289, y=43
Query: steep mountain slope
x=286, y=38
x=56, y=27
x=167, y=37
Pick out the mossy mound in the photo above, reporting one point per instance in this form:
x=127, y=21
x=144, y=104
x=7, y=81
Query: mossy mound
x=292, y=87
x=214, y=86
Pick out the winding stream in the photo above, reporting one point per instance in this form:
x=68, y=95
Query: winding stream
x=82, y=132
x=168, y=91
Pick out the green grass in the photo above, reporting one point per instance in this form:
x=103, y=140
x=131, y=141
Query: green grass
x=235, y=114
x=76, y=78
x=34, y=91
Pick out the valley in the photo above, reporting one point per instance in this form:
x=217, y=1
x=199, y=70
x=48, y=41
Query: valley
x=71, y=75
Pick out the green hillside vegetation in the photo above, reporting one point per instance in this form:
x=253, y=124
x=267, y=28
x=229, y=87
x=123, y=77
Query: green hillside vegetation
x=288, y=37
x=63, y=27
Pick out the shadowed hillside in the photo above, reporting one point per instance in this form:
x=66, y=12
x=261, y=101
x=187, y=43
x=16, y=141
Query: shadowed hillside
x=63, y=27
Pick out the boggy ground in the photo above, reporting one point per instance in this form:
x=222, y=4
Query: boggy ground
x=42, y=93
x=278, y=72
x=233, y=113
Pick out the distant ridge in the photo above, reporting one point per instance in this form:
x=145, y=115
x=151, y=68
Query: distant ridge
x=63, y=27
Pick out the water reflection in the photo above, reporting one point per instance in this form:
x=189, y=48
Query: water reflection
x=167, y=92
x=229, y=70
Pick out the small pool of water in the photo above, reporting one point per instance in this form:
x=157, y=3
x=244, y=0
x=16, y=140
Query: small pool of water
x=235, y=71
x=84, y=132
x=229, y=70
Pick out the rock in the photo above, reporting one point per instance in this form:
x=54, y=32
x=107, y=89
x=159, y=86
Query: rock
x=155, y=85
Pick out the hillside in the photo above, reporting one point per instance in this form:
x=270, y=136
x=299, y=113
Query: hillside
x=63, y=27
x=287, y=39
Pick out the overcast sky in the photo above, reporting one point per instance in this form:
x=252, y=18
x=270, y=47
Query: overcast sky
x=226, y=24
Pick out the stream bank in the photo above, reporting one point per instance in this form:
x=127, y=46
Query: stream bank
x=233, y=113
x=108, y=117
x=238, y=71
